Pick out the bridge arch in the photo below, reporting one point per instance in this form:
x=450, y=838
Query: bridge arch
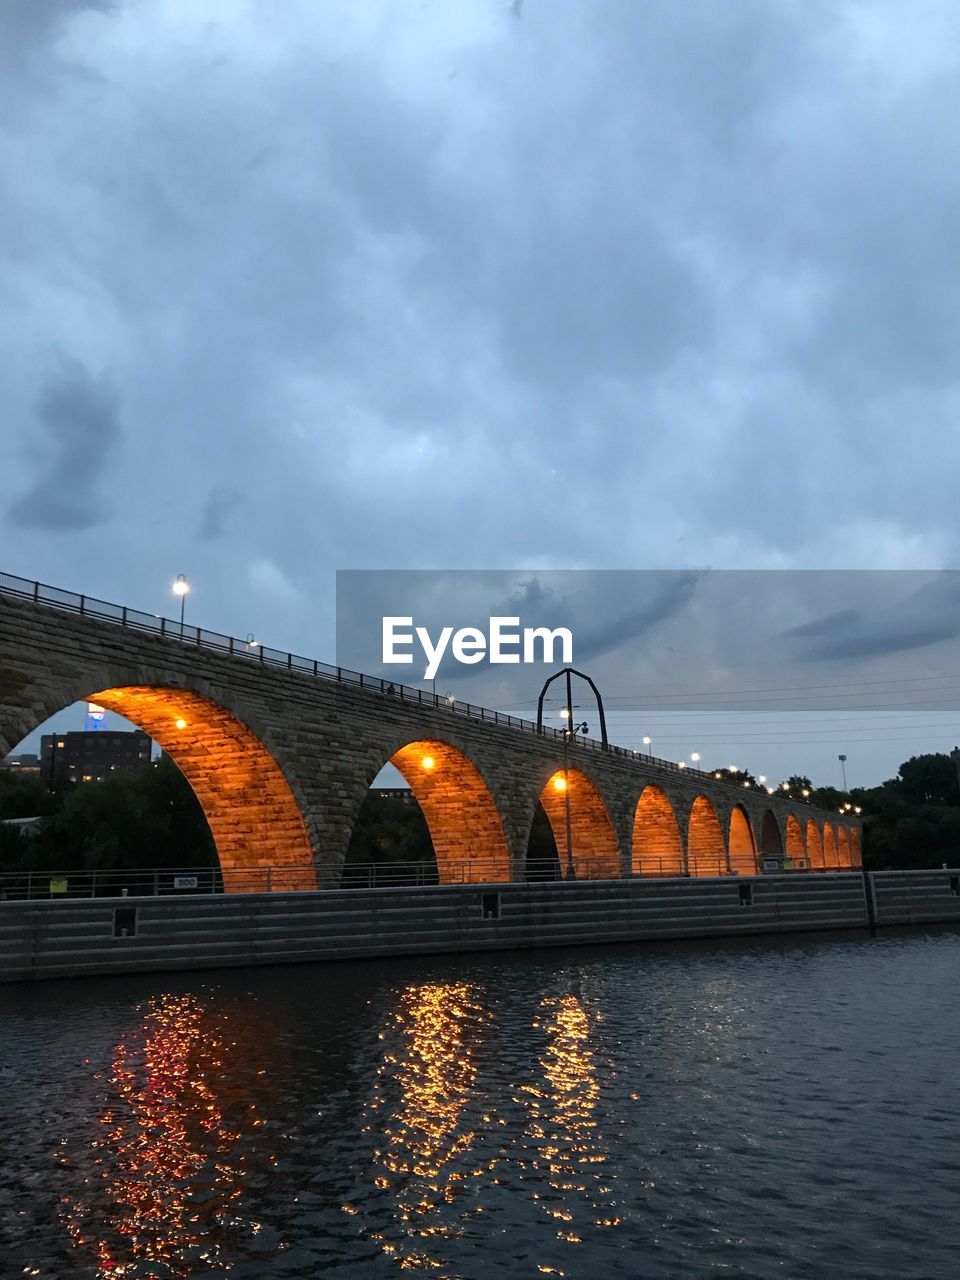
x=706, y=853
x=814, y=846
x=843, y=847
x=743, y=855
x=256, y=821
x=596, y=853
x=657, y=847
x=831, y=859
x=459, y=809
x=795, y=849
x=856, y=859
x=771, y=842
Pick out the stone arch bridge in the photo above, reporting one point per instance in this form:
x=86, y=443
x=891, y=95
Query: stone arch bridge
x=281, y=752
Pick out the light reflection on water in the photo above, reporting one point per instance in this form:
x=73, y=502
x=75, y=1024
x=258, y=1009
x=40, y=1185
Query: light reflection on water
x=165, y=1163
x=748, y=1109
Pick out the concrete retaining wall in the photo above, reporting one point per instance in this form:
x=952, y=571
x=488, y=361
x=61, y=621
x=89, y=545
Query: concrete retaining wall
x=57, y=938
x=53, y=938
x=916, y=897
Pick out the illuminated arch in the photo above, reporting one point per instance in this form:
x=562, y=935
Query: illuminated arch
x=657, y=848
x=256, y=823
x=706, y=855
x=795, y=850
x=814, y=846
x=831, y=859
x=596, y=854
x=465, y=825
x=843, y=847
x=743, y=855
x=856, y=859
x=771, y=842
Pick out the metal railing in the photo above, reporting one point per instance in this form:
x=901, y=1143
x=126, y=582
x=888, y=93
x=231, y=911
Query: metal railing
x=175, y=882
x=244, y=651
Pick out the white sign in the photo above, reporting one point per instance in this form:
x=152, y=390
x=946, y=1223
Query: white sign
x=185, y=882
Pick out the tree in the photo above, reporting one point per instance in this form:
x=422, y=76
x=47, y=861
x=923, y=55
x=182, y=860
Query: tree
x=930, y=779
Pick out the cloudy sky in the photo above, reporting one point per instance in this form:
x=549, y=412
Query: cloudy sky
x=550, y=283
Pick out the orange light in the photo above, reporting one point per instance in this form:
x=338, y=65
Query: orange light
x=428, y=762
x=181, y=724
x=559, y=783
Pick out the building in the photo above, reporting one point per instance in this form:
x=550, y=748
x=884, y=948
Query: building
x=403, y=794
x=90, y=757
x=24, y=765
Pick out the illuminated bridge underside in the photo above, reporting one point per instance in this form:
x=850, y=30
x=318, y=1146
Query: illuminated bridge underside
x=595, y=852
x=253, y=817
x=743, y=856
x=465, y=827
x=706, y=853
x=657, y=847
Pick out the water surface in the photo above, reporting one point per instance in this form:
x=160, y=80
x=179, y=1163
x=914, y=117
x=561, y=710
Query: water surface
x=736, y=1109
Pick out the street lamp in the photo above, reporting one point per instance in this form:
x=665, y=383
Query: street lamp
x=695, y=757
x=180, y=588
x=648, y=743
x=843, y=769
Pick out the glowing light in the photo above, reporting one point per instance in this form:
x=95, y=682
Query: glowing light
x=681, y=764
x=181, y=724
x=181, y=586
x=559, y=783
x=695, y=757
x=762, y=777
x=565, y=713
x=428, y=762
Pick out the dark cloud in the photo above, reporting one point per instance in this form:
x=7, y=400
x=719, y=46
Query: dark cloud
x=79, y=426
x=925, y=616
x=217, y=510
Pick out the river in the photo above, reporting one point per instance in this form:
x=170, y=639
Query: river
x=754, y=1108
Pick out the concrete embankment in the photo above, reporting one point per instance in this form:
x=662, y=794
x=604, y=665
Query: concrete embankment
x=74, y=937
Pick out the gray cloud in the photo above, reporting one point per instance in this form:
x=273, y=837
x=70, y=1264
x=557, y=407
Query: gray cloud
x=78, y=418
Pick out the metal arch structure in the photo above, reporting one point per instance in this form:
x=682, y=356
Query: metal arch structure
x=582, y=675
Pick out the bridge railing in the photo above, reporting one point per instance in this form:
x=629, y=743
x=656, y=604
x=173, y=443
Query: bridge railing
x=168, y=882
x=254, y=652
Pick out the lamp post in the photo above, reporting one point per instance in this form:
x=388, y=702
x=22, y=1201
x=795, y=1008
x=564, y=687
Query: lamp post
x=955, y=757
x=648, y=743
x=180, y=588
